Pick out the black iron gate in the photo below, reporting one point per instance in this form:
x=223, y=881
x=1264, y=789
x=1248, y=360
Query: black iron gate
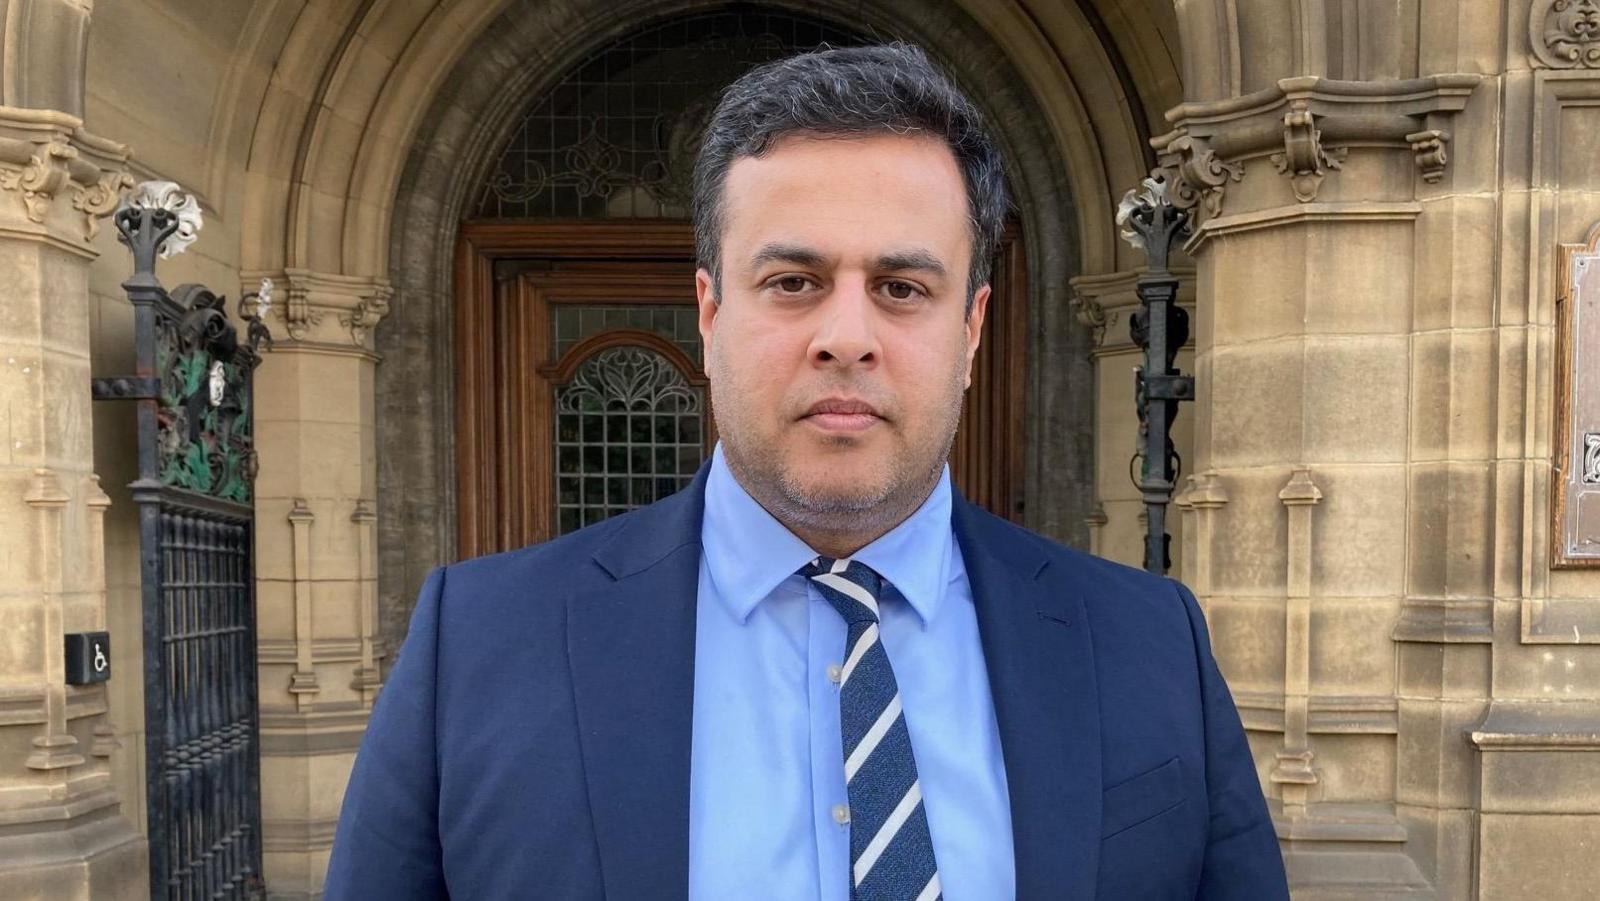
x=197, y=459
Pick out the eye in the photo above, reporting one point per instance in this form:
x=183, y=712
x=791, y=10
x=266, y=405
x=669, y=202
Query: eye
x=898, y=290
x=790, y=284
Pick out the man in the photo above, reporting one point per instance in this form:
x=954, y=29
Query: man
x=818, y=672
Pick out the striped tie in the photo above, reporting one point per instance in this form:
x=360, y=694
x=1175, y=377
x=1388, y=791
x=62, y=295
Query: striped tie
x=891, y=853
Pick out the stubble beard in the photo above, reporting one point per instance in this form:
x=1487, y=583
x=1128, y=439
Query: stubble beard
x=760, y=468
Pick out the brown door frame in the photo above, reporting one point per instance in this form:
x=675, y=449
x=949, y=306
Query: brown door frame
x=987, y=458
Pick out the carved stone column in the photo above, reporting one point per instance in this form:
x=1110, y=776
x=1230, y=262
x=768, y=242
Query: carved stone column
x=1336, y=155
x=62, y=830
x=316, y=588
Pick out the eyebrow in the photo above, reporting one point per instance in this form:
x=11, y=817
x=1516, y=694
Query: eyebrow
x=913, y=260
x=909, y=260
x=796, y=254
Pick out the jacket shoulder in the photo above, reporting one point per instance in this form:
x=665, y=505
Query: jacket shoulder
x=1108, y=588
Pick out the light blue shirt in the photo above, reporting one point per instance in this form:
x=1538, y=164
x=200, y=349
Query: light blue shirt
x=767, y=769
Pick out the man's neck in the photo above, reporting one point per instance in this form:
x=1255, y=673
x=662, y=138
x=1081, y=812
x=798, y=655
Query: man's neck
x=838, y=534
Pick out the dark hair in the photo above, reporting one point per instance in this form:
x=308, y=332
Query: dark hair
x=847, y=92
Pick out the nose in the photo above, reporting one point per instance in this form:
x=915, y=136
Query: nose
x=847, y=335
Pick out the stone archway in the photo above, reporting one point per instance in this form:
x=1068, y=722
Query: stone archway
x=464, y=130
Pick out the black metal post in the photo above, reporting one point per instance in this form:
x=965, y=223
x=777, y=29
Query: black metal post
x=1151, y=221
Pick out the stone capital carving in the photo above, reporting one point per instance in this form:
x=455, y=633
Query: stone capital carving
x=46, y=157
x=1565, y=34
x=1304, y=124
x=330, y=310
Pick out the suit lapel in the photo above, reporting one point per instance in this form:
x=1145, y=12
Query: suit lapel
x=1040, y=661
x=631, y=650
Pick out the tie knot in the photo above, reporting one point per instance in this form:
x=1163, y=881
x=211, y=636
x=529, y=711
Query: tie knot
x=851, y=587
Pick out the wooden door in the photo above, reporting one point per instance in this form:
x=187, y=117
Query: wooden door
x=580, y=391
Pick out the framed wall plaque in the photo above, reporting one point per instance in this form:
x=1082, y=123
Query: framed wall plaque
x=1575, y=478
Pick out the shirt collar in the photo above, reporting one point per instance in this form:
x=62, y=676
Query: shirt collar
x=749, y=553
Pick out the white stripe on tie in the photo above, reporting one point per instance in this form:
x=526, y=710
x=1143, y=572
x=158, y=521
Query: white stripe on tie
x=870, y=741
x=891, y=827
x=849, y=589
x=932, y=890
x=863, y=645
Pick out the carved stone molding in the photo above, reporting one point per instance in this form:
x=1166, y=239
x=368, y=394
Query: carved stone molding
x=333, y=311
x=1304, y=125
x=1296, y=772
x=1565, y=34
x=45, y=157
x=303, y=681
x=1304, y=158
x=365, y=678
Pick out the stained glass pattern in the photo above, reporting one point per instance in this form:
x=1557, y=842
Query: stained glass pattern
x=628, y=433
x=616, y=137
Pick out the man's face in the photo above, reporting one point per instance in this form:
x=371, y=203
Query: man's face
x=840, y=347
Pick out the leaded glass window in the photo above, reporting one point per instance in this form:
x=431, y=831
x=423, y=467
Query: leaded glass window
x=628, y=433
x=576, y=323
x=616, y=137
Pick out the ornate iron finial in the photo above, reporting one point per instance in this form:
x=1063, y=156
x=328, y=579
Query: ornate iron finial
x=158, y=217
x=1150, y=221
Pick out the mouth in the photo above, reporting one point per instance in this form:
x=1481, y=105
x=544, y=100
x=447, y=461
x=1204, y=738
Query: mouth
x=839, y=414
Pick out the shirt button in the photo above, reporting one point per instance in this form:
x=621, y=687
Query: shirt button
x=835, y=673
x=841, y=814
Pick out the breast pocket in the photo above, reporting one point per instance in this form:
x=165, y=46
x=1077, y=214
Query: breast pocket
x=1143, y=797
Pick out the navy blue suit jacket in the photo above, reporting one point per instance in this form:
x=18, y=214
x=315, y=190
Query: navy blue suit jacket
x=533, y=739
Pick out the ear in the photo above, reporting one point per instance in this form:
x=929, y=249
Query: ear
x=705, y=297
x=980, y=306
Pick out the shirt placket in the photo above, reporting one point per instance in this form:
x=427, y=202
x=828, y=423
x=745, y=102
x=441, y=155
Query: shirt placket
x=829, y=807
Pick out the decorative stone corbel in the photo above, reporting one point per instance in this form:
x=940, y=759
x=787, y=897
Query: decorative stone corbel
x=1198, y=175
x=298, y=316
x=96, y=201
x=368, y=312
x=1304, y=159
x=35, y=172
x=1565, y=34
x=1428, y=145
x=1091, y=313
